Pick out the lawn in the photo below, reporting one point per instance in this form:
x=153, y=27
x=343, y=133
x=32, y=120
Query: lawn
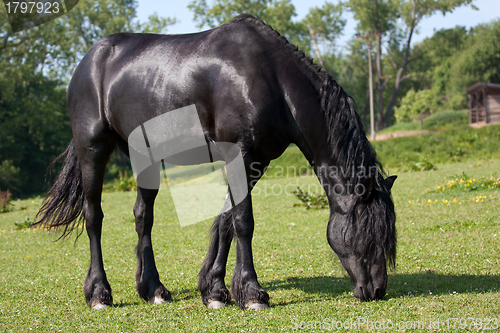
x=440, y=120
x=448, y=266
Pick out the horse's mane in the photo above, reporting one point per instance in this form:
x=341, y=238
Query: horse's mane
x=350, y=148
x=346, y=135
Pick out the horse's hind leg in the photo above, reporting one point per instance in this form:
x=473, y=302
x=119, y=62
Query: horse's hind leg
x=148, y=283
x=245, y=288
x=211, y=283
x=93, y=157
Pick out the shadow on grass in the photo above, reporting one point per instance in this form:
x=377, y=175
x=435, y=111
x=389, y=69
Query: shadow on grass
x=425, y=283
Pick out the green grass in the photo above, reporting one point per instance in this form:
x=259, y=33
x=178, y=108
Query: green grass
x=436, y=121
x=457, y=144
x=448, y=264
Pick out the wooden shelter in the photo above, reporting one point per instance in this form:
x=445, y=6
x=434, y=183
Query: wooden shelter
x=484, y=103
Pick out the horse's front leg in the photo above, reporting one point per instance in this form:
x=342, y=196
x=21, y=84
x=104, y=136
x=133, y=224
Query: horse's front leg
x=148, y=283
x=245, y=288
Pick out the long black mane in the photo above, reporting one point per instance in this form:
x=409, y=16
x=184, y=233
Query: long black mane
x=346, y=135
x=350, y=150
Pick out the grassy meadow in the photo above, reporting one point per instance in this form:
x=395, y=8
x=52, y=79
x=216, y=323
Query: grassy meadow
x=447, y=274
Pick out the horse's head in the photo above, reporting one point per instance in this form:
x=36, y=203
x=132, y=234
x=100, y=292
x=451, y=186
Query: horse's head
x=364, y=238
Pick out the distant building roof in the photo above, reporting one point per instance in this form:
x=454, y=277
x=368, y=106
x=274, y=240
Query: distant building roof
x=480, y=85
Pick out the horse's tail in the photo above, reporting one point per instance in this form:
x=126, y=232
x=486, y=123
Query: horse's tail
x=63, y=205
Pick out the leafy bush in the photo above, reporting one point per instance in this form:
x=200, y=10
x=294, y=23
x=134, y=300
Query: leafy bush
x=415, y=104
x=424, y=165
x=9, y=175
x=26, y=224
x=311, y=200
x=124, y=183
x=5, y=201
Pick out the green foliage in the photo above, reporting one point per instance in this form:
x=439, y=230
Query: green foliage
x=326, y=20
x=464, y=183
x=423, y=165
x=26, y=224
x=452, y=145
x=5, y=201
x=367, y=21
x=397, y=21
x=35, y=129
x=439, y=120
x=278, y=14
x=124, y=183
x=479, y=61
x=311, y=200
x=9, y=175
x=35, y=66
x=416, y=104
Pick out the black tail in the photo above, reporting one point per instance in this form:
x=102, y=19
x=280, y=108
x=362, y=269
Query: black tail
x=62, y=207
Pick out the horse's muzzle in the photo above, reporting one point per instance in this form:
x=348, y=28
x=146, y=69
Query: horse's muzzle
x=368, y=293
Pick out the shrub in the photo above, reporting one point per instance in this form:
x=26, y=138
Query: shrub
x=423, y=165
x=124, y=183
x=26, y=224
x=311, y=200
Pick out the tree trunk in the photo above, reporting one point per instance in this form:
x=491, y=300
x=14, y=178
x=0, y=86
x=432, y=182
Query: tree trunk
x=316, y=49
x=399, y=76
x=380, y=85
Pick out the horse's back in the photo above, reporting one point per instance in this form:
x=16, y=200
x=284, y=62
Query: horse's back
x=131, y=78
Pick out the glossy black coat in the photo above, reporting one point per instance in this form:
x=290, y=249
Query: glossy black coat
x=250, y=87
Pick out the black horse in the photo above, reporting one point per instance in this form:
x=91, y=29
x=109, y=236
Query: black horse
x=251, y=88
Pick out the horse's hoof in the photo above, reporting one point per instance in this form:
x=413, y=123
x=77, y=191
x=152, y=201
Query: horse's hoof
x=216, y=305
x=160, y=300
x=258, y=306
x=100, y=306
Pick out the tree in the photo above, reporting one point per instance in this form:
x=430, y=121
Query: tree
x=323, y=23
x=386, y=16
x=479, y=61
x=412, y=12
x=277, y=13
x=35, y=66
x=351, y=71
x=375, y=18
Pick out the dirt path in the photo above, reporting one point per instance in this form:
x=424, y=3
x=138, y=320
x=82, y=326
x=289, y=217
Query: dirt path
x=393, y=135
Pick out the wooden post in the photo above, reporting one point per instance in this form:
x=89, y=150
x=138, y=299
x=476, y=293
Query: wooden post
x=370, y=83
x=486, y=107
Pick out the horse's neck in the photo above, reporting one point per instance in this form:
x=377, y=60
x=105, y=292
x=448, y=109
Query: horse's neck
x=302, y=95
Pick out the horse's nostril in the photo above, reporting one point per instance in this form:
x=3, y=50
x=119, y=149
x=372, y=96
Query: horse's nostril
x=358, y=293
x=379, y=293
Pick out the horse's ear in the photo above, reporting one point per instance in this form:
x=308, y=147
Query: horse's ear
x=390, y=181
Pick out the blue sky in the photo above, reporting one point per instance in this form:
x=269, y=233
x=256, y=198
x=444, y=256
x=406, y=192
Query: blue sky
x=465, y=16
